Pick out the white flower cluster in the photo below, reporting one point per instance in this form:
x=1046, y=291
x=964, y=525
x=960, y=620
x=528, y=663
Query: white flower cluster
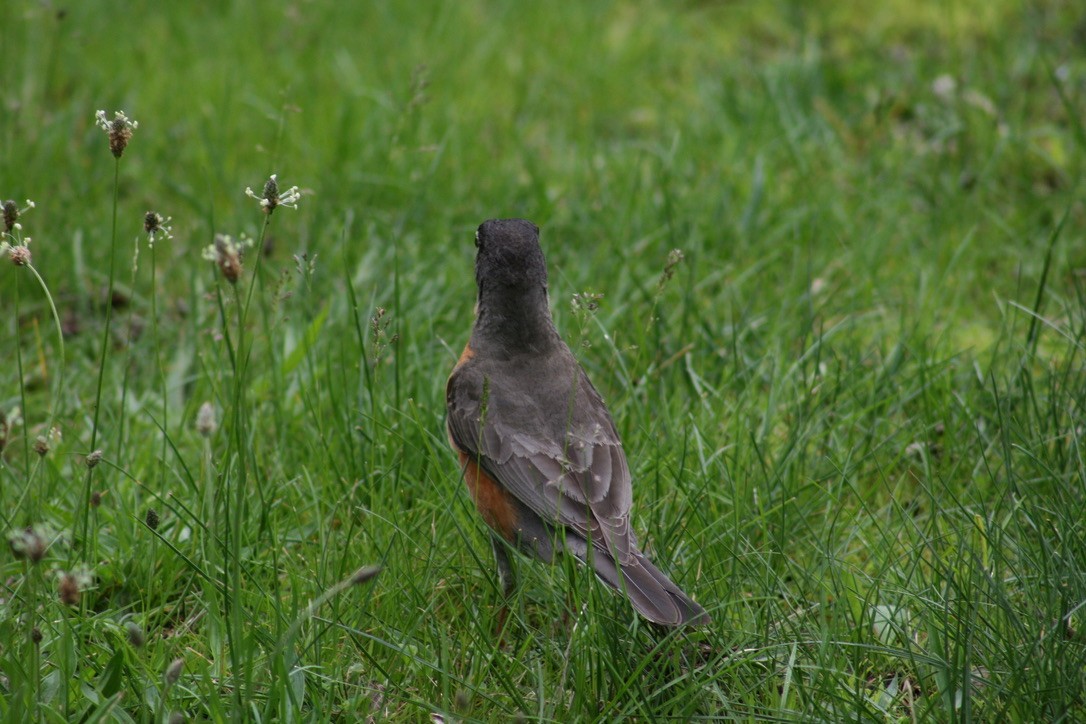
x=271, y=198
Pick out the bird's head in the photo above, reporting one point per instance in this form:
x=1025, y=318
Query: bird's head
x=509, y=258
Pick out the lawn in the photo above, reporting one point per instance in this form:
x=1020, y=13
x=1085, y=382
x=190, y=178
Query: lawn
x=839, y=256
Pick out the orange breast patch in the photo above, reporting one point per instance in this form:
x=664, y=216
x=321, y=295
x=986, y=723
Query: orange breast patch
x=467, y=354
x=490, y=498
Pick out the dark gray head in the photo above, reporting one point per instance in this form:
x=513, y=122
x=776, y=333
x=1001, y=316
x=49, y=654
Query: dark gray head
x=509, y=258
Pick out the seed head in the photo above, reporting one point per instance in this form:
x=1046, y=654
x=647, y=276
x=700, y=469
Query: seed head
x=69, y=590
x=375, y=321
x=157, y=226
x=43, y=443
x=96, y=498
x=364, y=574
x=92, y=460
x=271, y=189
x=227, y=252
x=206, y=424
x=151, y=519
x=12, y=212
x=35, y=635
x=585, y=303
x=173, y=671
x=674, y=258
x=270, y=198
x=29, y=543
x=19, y=254
x=72, y=584
x=119, y=129
x=135, y=635
x=11, y=215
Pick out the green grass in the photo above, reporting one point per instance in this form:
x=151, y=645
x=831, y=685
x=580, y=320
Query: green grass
x=854, y=412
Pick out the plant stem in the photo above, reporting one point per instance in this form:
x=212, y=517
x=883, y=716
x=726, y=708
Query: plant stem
x=57, y=395
x=235, y=519
x=127, y=360
x=22, y=401
x=161, y=369
x=85, y=517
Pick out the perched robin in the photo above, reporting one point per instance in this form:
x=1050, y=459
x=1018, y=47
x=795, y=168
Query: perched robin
x=538, y=448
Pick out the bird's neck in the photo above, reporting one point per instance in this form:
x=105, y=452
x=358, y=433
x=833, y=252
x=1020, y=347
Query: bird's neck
x=514, y=321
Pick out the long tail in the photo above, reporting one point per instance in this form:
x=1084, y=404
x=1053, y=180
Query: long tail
x=651, y=592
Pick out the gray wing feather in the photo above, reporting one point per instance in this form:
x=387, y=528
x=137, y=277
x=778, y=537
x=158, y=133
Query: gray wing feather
x=557, y=451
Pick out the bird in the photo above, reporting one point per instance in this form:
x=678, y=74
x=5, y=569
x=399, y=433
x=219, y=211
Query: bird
x=537, y=446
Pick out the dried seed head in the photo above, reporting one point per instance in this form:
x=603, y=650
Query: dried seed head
x=229, y=262
x=68, y=590
x=96, y=498
x=227, y=253
x=35, y=635
x=151, y=519
x=92, y=460
x=305, y=264
x=135, y=635
x=585, y=303
x=173, y=671
x=72, y=584
x=151, y=221
x=119, y=130
x=19, y=254
x=157, y=226
x=375, y=321
x=206, y=424
x=44, y=443
x=674, y=258
x=11, y=215
x=270, y=198
x=29, y=543
x=364, y=574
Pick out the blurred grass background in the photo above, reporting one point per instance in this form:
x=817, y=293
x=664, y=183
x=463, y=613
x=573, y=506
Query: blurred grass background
x=854, y=410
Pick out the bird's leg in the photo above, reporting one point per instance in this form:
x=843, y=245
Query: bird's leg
x=506, y=578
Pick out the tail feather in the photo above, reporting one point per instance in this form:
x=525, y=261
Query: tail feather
x=651, y=592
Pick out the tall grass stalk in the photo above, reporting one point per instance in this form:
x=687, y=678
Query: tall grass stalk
x=237, y=478
x=235, y=512
x=30, y=471
x=28, y=493
x=89, y=551
x=61, y=365
x=31, y=675
x=126, y=366
x=164, y=423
